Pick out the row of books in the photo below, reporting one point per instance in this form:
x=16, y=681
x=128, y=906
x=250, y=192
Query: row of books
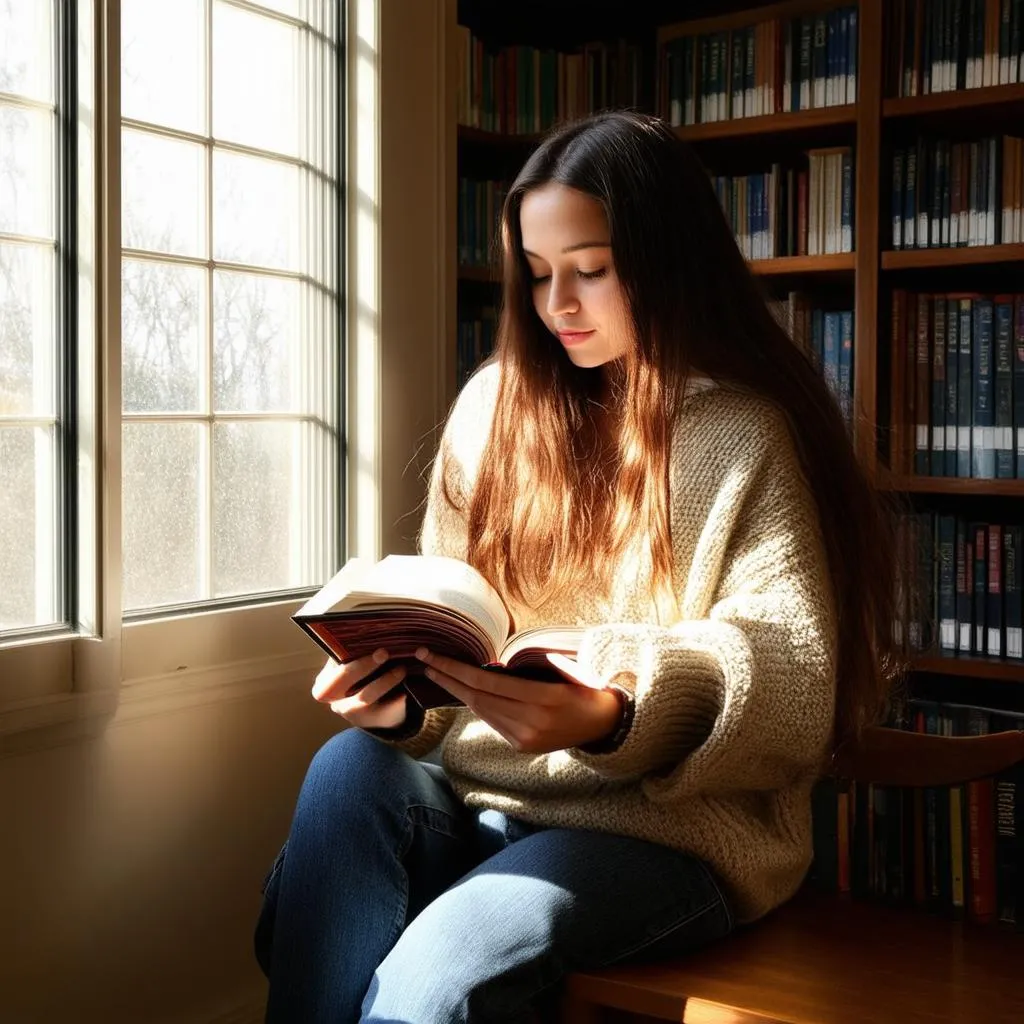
x=952, y=850
x=945, y=45
x=479, y=204
x=474, y=343
x=767, y=68
x=524, y=90
x=826, y=337
x=959, y=587
x=792, y=211
x=958, y=193
x=958, y=374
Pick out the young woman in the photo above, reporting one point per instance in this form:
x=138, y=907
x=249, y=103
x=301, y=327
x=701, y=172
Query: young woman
x=649, y=455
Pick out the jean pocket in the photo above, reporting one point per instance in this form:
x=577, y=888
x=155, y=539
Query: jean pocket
x=275, y=869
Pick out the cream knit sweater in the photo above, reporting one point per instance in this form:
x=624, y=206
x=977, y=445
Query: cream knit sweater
x=734, y=703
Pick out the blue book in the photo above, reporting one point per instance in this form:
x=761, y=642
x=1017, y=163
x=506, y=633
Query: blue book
x=983, y=449
x=952, y=379
x=846, y=365
x=965, y=392
x=830, y=360
x=851, y=57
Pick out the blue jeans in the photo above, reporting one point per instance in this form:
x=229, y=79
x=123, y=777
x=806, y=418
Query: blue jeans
x=393, y=902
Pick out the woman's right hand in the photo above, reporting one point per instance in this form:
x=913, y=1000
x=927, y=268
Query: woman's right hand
x=363, y=709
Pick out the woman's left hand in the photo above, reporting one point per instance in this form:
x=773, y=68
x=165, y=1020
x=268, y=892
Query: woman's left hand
x=535, y=717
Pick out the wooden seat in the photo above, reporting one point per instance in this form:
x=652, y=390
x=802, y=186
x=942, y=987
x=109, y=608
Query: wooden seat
x=826, y=959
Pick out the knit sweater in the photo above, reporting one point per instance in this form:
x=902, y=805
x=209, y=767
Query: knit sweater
x=733, y=703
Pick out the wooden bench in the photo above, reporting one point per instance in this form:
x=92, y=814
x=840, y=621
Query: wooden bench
x=824, y=959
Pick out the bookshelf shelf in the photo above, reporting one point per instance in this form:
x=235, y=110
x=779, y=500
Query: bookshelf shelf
x=996, y=669
x=950, y=485
x=834, y=263
x=775, y=124
x=989, y=98
x=962, y=256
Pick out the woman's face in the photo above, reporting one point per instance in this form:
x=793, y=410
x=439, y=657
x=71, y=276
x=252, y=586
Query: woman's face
x=576, y=292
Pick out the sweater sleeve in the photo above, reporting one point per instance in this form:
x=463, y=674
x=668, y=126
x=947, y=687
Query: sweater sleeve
x=739, y=694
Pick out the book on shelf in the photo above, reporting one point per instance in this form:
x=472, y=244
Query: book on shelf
x=772, y=67
x=947, y=47
x=958, y=385
x=404, y=602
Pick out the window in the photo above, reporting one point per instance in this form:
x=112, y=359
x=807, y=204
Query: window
x=229, y=339
x=184, y=328
x=35, y=401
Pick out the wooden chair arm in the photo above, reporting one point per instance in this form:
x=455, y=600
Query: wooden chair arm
x=891, y=757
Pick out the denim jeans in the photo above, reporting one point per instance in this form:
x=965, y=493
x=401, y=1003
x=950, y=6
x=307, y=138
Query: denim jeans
x=393, y=902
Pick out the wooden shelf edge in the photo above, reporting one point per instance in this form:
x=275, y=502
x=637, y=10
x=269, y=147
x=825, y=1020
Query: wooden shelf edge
x=945, y=102
x=741, y=127
x=830, y=264
x=951, y=485
x=1003, y=670
x=961, y=256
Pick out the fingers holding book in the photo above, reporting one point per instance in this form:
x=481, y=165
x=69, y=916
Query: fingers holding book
x=534, y=717
x=352, y=692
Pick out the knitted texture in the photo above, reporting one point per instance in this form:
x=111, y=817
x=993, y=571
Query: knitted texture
x=734, y=702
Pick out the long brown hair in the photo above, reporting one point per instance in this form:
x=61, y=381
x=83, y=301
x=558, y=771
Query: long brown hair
x=547, y=514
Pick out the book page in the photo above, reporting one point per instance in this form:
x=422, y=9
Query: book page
x=430, y=579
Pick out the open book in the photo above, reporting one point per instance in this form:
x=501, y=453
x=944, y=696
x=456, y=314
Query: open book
x=408, y=601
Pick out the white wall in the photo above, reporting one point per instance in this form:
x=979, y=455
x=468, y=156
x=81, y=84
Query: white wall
x=130, y=863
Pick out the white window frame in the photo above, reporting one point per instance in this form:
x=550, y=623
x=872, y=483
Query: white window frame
x=400, y=309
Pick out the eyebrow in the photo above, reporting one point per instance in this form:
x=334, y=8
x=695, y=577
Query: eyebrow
x=573, y=248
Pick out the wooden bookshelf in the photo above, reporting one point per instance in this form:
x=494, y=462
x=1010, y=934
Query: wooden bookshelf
x=961, y=256
x=989, y=98
x=833, y=263
x=1001, y=670
x=770, y=124
x=466, y=133
x=953, y=485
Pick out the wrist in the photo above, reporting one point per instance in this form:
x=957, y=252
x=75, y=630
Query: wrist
x=616, y=735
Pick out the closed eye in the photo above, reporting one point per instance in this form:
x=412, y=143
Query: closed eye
x=585, y=275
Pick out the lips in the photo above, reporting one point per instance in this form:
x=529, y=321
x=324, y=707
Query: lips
x=573, y=337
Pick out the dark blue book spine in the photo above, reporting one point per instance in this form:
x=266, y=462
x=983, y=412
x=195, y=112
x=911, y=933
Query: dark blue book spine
x=965, y=390
x=937, y=461
x=983, y=452
x=846, y=365
x=898, y=162
x=1004, y=388
x=952, y=378
x=851, y=59
x=830, y=364
x=1018, y=377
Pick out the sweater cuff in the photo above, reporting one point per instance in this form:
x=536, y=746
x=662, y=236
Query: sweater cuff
x=676, y=698
x=421, y=731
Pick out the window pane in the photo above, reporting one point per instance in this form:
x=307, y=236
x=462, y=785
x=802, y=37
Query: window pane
x=257, y=350
x=162, y=44
x=28, y=527
x=255, y=495
x=163, y=205
x=27, y=343
x=26, y=48
x=292, y=7
x=162, y=550
x=255, y=80
x=243, y=185
x=162, y=320
x=27, y=196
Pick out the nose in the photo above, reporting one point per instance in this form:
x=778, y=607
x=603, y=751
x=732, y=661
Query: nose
x=562, y=296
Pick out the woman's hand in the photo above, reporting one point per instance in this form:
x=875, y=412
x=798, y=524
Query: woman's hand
x=365, y=708
x=534, y=717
